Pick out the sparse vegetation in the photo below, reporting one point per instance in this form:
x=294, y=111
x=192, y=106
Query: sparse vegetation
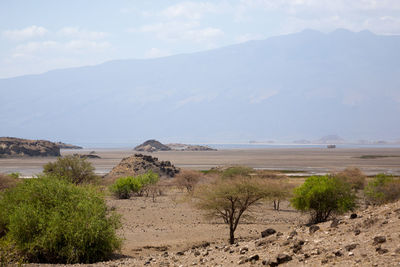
x=323, y=197
x=188, y=179
x=383, y=189
x=229, y=199
x=74, y=169
x=54, y=221
x=354, y=176
x=237, y=171
x=279, y=190
x=125, y=187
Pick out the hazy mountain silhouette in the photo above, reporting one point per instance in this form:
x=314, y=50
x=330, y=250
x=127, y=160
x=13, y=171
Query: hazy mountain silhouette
x=302, y=85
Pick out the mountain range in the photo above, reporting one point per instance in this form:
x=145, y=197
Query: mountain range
x=297, y=86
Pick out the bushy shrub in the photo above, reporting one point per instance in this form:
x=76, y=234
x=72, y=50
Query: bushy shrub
x=54, y=221
x=124, y=187
x=74, y=169
x=188, y=179
x=323, y=196
x=354, y=176
x=237, y=171
x=383, y=189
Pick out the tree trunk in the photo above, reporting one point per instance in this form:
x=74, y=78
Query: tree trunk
x=231, y=236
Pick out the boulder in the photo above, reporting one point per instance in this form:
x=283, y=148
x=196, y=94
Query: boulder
x=268, y=232
x=140, y=164
x=17, y=147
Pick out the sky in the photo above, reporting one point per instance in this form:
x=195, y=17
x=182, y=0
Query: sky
x=41, y=35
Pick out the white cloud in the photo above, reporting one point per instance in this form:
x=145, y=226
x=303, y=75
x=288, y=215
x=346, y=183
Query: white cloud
x=73, y=46
x=78, y=33
x=26, y=33
x=190, y=10
x=258, y=98
x=155, y=52
x=198, y=98
x=180, y=31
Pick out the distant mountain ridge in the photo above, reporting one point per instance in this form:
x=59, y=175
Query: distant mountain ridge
x=291, y=87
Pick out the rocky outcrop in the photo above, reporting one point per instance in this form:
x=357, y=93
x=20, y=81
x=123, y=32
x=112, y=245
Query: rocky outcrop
x=68, y=146
x=152, y=146
x=87, y=156
x=139, y=164
x=185, y=147
x=17, y=147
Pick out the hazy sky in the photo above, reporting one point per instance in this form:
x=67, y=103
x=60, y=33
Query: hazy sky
x=40, y=35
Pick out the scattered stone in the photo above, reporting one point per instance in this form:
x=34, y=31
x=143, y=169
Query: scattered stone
x=279, y=234
x=243, y=250
x=253, y=258
x=351, y=253
x=353, y=216
x=313, y=228
x=334, y=223
x=282, y=258
x=379, y=240
x=381, y=250
x=197, y=253
x=292, y=234
x=338, y=253
x=357, y=232
x=268, y=232
x=351, y=247
x=180, y=253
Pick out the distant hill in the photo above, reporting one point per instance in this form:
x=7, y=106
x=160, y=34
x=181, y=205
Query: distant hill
x=291, y=87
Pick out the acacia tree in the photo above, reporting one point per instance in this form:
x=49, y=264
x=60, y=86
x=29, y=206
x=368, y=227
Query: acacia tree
x=229, y=199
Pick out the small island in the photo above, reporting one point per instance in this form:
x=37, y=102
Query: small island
x=154, y=146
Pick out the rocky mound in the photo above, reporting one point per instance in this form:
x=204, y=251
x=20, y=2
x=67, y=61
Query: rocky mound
x=17, y=147
x=87, y=156
x=68, y=146
x=139, y=164
x=152, y=146
x=185, y=147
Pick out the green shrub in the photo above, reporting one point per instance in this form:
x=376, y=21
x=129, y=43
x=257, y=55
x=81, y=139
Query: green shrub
x=54, y=221
x=124, y=187
x=383, y=189
x=237, y=171
x=323, y=196
x=71, y=168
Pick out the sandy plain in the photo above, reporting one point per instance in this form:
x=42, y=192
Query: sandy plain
x=310, y=160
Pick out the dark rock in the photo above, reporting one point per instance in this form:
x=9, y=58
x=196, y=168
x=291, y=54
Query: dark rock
x=381, y=250
x=357, y=231
x=353, y=216
x=180, y=253
x=243, y=250
x=249, y=259
x=297, y=245
x=338, y=253
x=379, y=240
x=140, y=164
x=334, y=223
x=313, y=228
x=271, y=263
x=282, y=258
x=17, y=147
x=351, y=247
x=292, y=234
x=87, y=156
x=268, y=232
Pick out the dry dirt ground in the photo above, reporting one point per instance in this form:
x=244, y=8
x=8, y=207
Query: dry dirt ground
x=169, y=232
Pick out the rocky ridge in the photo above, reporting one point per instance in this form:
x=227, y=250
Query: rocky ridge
x=17, y=147
x=154, y=146
x=68, y=146
x=139, y=164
